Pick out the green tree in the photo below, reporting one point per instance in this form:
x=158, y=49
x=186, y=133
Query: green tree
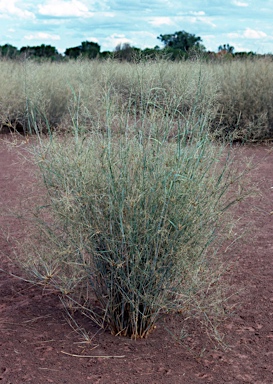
x=106, y=55
x=73, y=52
x=181, y=40
x=152, y=53
x=90, y=49
x=226, y=48
x=9, y=51
x=40, y=51
x=126, y=52
x=87, y=49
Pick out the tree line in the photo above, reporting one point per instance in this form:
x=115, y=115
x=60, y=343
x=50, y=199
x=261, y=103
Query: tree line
x=180, y=45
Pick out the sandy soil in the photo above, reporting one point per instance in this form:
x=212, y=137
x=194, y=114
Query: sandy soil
x=37, y=345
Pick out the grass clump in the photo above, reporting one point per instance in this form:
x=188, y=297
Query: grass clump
x=127, y=228
x=245, y=100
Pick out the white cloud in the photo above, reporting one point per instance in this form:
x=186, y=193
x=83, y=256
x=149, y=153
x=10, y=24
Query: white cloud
x=209, y=37
x=42, y=36
x=178, y=20
x=139, y=39
x=93, y=39
x=248, y=34
x=62, y=8
x=9, y=8
x=234, y=35
x=240, y=3
x=53, y=22
x=108, y=14
x=200, y=19
x=253, y=34
x=241, y=48
x=158, y=21
x=145, y=35
x=198, y=13
x=145, y=39
x=114, y=40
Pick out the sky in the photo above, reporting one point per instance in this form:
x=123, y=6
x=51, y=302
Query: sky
x=244, y=24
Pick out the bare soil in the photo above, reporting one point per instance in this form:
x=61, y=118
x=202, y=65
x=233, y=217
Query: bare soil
x=37, y=345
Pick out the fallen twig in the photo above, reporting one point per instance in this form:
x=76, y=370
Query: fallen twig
x=90, y=357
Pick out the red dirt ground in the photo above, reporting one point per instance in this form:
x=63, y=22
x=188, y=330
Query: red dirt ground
x=37, y=345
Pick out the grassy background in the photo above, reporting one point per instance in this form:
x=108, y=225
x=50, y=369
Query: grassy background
x=238, y=94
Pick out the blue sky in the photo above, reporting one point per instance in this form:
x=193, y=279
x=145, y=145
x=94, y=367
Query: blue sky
x=245, y=24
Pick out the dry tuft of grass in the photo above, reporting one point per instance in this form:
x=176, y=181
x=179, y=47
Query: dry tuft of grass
x=136, y=190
